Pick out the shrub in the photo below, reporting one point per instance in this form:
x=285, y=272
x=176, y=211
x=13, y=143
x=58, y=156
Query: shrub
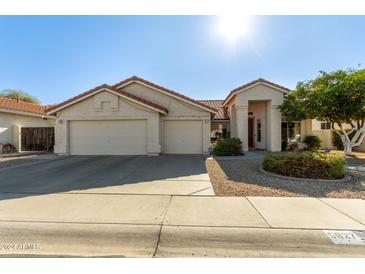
x=8, y=148
x=313, y=142
x=227, y=147
x=306, y=164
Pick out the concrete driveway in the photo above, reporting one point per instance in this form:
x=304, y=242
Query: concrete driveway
x=166, y=174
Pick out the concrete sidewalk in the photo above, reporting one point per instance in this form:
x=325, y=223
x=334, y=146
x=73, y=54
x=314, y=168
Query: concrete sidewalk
x=70, y=224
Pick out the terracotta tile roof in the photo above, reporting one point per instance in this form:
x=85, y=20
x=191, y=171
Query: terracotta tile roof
x=136, y=98
x=135, y=78
x=260, y=80
x=222, y=113
x=21, y=106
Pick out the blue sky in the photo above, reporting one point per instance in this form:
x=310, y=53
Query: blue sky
x=57, y=57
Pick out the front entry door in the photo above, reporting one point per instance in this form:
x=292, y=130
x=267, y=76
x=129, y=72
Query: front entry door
x=250, y=132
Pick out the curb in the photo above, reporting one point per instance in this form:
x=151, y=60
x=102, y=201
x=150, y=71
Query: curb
x=346, y=179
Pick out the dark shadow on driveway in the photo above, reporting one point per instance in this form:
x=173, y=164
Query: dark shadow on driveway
x=87, y=172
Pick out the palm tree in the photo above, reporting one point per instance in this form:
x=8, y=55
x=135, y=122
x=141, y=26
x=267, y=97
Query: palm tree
x=19, y=96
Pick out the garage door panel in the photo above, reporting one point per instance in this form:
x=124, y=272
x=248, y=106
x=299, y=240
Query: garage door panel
x=121, y=137
x=183, y=137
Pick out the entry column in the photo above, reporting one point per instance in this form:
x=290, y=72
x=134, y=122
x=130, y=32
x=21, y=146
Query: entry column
x=273, y=127
x=153, y=135
x=242, y=125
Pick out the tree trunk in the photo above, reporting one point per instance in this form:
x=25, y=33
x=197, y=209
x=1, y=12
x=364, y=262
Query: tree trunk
x=347, y=145
x=347, y=148
x=355, y=141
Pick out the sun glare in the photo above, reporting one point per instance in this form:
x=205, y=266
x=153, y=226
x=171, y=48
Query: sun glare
x=233, y=27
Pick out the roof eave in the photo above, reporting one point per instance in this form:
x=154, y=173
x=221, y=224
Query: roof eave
x=142, y=82
x=110, y=89
x=26, y=113
x=231, y=95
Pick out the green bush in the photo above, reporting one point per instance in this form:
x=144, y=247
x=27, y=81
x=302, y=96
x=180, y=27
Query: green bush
x=306, y=164
x=337, y=142
x=227, y=147
x=313, y=142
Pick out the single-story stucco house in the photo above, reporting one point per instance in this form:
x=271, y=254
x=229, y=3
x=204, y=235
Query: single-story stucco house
x=18, y=118
x=138, y=117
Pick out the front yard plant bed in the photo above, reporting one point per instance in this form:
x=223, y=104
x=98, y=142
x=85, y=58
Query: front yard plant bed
x=311, y=165
x=345, y=179
x=244, y=178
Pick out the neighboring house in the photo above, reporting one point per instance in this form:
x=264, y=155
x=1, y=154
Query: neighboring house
x=324, y=131
x=321, y=129
x=17, y=115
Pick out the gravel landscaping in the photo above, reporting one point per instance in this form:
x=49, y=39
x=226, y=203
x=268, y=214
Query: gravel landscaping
x=243, y=178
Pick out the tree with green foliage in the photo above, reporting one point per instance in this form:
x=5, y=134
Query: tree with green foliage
x=337, y=97
x=18, y=95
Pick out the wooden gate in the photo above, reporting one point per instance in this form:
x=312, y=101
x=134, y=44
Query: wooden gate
x=37, y=138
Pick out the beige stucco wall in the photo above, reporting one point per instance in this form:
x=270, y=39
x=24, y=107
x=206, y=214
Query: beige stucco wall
x=106, y=106
x=272, y=99
x=313, y=127
x=11, y=123
x=326, y=138
x=324, y=134
x=306, y=128
x=178, y=110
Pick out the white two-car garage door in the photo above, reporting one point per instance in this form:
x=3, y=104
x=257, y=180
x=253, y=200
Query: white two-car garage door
x=183, y=137
x=111, y=137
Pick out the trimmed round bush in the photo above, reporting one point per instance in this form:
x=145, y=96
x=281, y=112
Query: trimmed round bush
x=227, y=147
x=313, y=142
x=306, y=164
